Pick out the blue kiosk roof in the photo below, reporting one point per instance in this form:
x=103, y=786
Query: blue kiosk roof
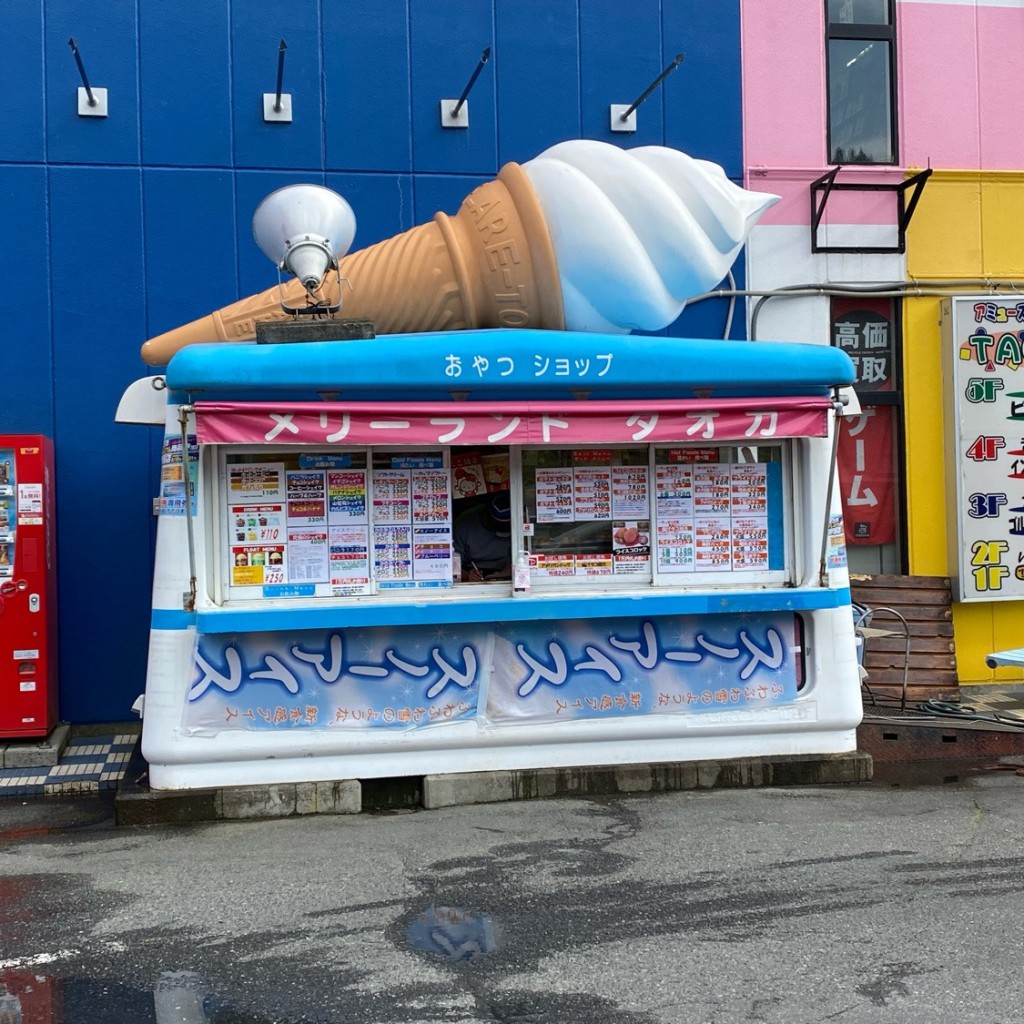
x=509, y=364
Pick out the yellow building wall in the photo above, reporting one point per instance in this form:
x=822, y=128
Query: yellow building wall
x=967, y=227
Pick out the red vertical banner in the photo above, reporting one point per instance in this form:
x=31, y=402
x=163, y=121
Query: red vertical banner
x=867, y=475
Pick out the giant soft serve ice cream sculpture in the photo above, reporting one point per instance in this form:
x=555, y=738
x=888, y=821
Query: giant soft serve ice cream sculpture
x=586, y=237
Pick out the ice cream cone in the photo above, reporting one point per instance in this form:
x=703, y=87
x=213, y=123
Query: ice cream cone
x=584, y=237
x=491, y=265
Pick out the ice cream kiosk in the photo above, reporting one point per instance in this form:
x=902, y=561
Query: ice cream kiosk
x=675, y=587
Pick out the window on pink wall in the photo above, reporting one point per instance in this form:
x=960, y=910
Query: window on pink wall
x=861, y=48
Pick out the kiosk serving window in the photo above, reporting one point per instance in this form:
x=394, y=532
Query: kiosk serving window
x=670, y=516
x=295, y=522
x=590, y=512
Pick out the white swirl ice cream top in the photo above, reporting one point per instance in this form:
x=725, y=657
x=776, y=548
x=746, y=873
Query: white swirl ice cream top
x=638, y=232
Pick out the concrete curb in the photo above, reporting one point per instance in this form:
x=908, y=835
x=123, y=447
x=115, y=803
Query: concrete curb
x=137, y=805
x=237, y=803
x=537, y=783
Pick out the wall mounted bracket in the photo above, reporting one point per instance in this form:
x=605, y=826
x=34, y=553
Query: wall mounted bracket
x=91, y=102
x=277, y=106
x=623, y=116
x=822, y=188
x=455, y=113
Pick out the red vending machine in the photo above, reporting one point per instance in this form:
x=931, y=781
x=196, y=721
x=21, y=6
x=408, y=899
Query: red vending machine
x=28, y=587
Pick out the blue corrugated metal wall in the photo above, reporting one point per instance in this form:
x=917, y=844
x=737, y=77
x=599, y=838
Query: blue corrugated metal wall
x=121, y=228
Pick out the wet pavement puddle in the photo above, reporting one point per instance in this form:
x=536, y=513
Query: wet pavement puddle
x=452, y=933
x=29, y=997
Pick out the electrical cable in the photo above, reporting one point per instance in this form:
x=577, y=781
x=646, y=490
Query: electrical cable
x=879, y=289
x=931, y=709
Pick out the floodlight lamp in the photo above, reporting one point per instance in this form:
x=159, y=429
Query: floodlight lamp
x=305, y=230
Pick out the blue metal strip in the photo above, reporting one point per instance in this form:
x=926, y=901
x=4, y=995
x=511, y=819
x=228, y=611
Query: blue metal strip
x=168, y=618
x=604, y=606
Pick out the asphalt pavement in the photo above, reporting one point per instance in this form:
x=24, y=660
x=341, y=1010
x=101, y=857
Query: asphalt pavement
x=859, y=903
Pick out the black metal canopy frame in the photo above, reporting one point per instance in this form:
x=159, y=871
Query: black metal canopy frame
x=823, y=187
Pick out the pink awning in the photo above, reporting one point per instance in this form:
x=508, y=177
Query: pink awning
x=515, y=423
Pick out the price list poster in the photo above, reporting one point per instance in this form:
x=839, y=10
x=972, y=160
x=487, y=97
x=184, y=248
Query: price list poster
x=712, y=517
x=432, y=526
x=748, y=505
x=308, y=553
x=554, y=505
x=631, y=520
x=392, y=527
x=348, y=531
x=673, y=504
x=256, y=523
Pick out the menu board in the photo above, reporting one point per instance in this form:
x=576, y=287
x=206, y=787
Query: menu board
x=334, y=531
x=554, y=495
x=412, y=527
x=392, y=555
x=348, y=532
x=630, y=493
x=349, y=552
x=432, y=525
x=592, y=493
x=712, y=517
x=257, y=524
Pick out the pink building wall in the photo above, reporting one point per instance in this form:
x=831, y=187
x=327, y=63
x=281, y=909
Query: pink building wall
x=960, y=69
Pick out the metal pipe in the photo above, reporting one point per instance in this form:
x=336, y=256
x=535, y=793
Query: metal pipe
x=837, y=408
x=280, y=75
x=81, y=71
x=732, y=309
x=879, y=289
x=677, y=60
x=484, y=58
x=189, y=599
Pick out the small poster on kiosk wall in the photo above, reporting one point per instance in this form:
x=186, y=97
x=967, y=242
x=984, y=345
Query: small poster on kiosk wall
x=630, y=493
x=172, y=475
x=256, y=482
x=555, y=495
x=631, y=547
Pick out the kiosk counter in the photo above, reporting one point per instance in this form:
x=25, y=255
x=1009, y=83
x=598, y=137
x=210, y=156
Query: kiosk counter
x=483, y=550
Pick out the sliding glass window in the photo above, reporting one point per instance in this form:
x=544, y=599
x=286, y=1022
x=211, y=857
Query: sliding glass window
x=861, y=38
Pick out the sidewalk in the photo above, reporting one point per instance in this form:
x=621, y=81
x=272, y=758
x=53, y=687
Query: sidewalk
x=987, y=722
x=71, y=760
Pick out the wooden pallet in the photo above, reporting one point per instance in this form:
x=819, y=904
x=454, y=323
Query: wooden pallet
x=926, y=602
